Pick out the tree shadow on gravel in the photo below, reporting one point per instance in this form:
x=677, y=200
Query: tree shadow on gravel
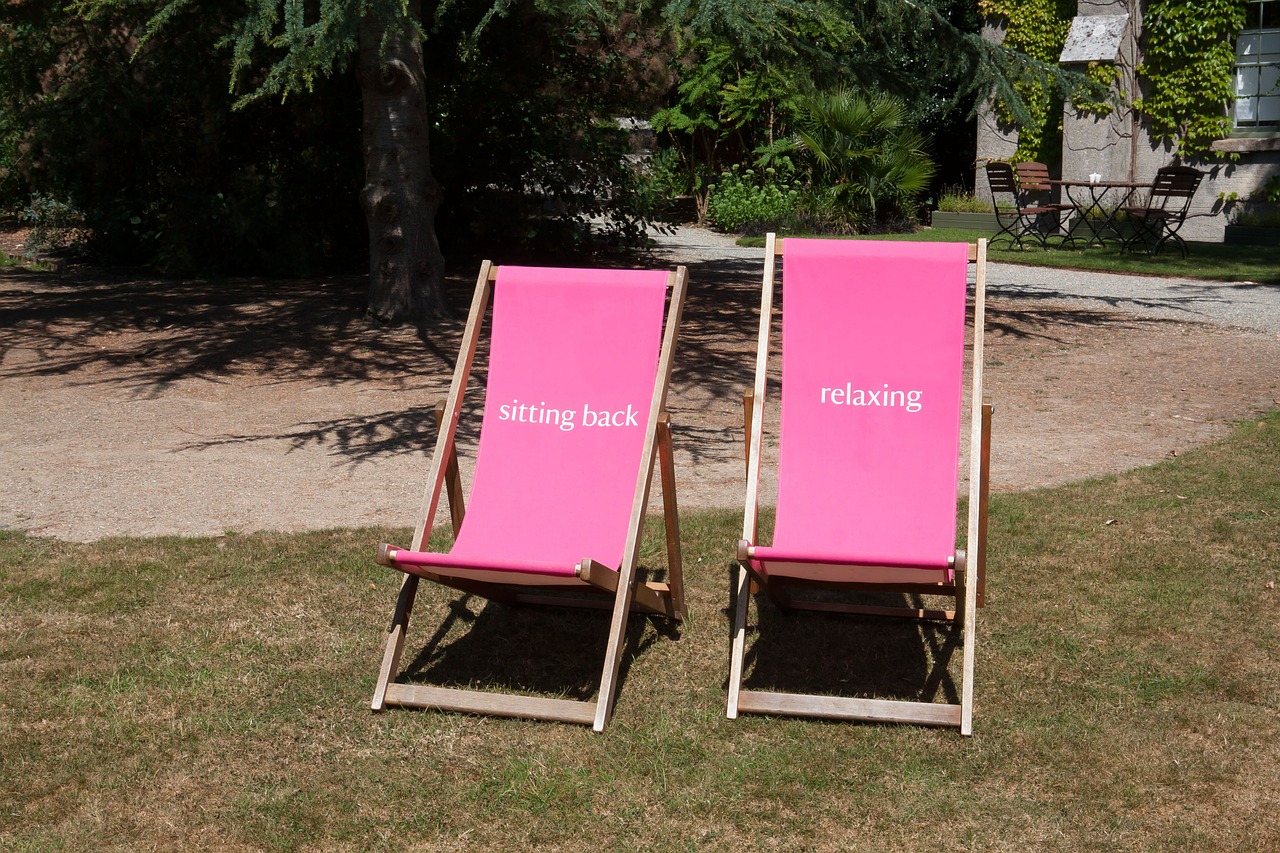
x=1037, y=306
x=148, y=333
x=363, y=438
x=145, y=334
x=1054, y=323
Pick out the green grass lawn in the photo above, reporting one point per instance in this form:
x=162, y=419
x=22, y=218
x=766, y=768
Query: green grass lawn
x=1217, y=261
x=213, y=694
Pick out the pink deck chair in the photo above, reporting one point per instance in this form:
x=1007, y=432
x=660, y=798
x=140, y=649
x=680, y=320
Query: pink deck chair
x=868, y=459
x=579, y=364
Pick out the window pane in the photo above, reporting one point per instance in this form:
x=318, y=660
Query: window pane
x=1244, y=110
x=1269, y=47
x=1257, y=72
x=1246, y=81
x=1269, y=14
x=1269, y=80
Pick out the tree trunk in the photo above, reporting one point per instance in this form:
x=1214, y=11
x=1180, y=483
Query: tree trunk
x=400, y=196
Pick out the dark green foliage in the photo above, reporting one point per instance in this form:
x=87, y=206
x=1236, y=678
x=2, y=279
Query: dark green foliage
x=142, y=140
x=524, y=132
x=724, y=106
x=522, y=96
x=906, y=52
x=56, y=226
x=125, y=109
x=738, y=95
x=169, y=165
x=868, y=165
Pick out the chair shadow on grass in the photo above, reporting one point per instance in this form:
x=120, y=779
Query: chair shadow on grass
x=553, y=651
x=849, y=655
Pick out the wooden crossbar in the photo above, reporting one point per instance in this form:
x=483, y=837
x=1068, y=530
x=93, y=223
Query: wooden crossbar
x=774, y=245
x=491, y=704
x=844, y=708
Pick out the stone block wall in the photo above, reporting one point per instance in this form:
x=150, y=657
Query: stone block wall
x=1118, y=146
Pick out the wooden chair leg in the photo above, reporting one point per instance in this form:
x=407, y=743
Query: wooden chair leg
x=968, y=627
x=613, y=654
x=453, y=479
x=671, y=516
x=738, y=639
x=979, y=548
x=395, y=641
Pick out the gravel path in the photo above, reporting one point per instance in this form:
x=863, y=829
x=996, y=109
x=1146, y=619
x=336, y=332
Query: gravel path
x=130, y=407
x=1242, y=305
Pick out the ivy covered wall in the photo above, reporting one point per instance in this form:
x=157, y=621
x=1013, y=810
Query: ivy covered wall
x=1188, y=52
x=1184, y=76
x=1037, y=28
x=1172, y=86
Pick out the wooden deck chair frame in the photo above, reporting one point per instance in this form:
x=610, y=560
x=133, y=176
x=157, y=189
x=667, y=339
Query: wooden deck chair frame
x=1016, y=221
x=968, y=588
x=1168, y=203
x=627, y=594
x=1036, y=190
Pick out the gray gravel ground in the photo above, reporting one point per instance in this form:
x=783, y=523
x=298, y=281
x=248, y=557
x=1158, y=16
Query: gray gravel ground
x=1245, y=305
x=95, y=445
x=1229, y=304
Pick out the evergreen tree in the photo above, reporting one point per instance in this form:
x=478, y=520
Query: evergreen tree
x=287, y=49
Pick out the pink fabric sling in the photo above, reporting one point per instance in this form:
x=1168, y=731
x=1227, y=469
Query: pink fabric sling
x=573, y=363
x=872, y=370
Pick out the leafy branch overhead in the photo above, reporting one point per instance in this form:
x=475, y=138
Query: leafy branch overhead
x=306, y=41
x=222, y=136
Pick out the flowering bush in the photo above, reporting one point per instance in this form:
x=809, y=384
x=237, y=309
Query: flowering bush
x=751, y=199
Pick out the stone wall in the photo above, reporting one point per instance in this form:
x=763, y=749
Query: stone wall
x=1119, y=147
x=994, y=142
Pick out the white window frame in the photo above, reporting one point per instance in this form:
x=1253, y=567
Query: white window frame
x=1257, y=70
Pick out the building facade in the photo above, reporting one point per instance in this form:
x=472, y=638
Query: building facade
x=1119, y=146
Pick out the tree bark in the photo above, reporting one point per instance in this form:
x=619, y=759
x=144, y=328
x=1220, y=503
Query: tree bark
x=400, y=196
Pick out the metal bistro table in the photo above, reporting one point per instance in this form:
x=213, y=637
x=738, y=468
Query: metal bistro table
x=1089, y=198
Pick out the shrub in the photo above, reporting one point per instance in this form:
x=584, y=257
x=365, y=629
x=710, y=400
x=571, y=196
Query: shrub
x=751, y=200
x=665, y=175
x=56, y=225
x=959, y=200
x=1259, y=215
x=821, y=212
x=862, y=149
x=1268, y=192
x=1260, y=210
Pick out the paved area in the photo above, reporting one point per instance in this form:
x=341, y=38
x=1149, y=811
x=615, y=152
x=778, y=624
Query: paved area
x=269, y=405
x=1245, y=305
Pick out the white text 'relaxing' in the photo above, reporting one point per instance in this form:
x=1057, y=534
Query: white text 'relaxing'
x=885, y=397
